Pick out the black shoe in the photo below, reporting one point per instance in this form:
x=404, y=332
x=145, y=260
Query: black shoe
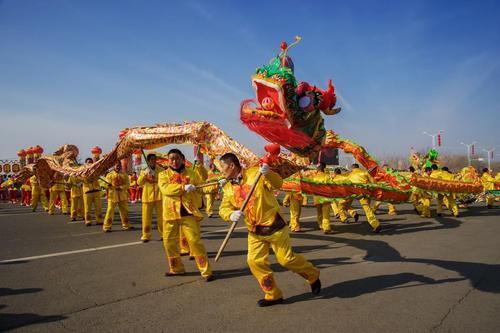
x=168, y=274
x=264, y=302
x=378, y=229
x=316, y=287
x=191, y=258
x=490, y=206
x=356, y=217
x=210, y=278
x=144, y=240
x=439, y=214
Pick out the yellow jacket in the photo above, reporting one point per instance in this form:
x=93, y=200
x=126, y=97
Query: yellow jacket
x=262, y=207
x=151, y=191
x=488, y=181
x=358, y=176
x=212, y=177
x=90, y=185
x=120, y=183
x=171, y=184
x=35, y=187
x=75, y=186
x=57, y=182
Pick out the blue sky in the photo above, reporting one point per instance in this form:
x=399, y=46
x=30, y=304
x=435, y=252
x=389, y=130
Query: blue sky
x=79, y=71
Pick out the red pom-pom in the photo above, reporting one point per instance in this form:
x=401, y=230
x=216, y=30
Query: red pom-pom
x=283, y=45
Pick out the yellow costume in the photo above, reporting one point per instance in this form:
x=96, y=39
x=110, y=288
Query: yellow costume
x=267, y=229
x=151, y=200
x=38, y=194
x=322, y=204
x=449, y=199
x=489, y=184
x=57, y=190
x=117, y=195
x=295, y=202
x=76, y=197
x=92, y=197
x=181, y=213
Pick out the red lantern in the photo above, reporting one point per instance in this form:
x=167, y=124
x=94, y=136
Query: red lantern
x=472, y=150
x=96, y=153
x=439, y=140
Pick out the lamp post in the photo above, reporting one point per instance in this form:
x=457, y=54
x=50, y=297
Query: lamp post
x=433, y=136
x=490, y=156
x=468, y=149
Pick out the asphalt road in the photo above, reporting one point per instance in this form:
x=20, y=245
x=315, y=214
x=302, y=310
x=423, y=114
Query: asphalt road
x=423, y=275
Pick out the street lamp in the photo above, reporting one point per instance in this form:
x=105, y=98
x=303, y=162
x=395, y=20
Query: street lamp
x=433, y=136
x=490, y=156
x=468, y=149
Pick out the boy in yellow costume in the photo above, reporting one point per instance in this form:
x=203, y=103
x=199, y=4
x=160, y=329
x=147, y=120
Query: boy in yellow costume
x=344, y=207
x=180, y=212
x=76, y=197
x=118, y=183
x=358, y=176
x=322, y=204
x=266, y=227
x=38, y=194
x=489, y=184
x=57, y=190
x=151, y=198
x=92, y=197
x=448, y=199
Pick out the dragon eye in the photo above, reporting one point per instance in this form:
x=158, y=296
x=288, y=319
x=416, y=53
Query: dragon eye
x=305, y=102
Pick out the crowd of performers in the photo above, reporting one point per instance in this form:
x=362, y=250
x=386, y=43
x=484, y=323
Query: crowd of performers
x=178, y=193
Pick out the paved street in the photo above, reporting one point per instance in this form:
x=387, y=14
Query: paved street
x=423, y=275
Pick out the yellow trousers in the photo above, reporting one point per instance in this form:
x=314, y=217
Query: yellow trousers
x=295, y=210
x=449, y=201
x=147, y=218
x=89, y=200
x=304, y=200
x=258, y=261
x=37, y=197
x=424, y=206
x=52, y=202
x=76, y=207
x=286, y=199
x=490, y=200
x=191, y=229
x=209, y=204
x=365, y=204
x=391, y=207
x=335, y=208
x=110, y=212
x=323, y=216
x=345, y=208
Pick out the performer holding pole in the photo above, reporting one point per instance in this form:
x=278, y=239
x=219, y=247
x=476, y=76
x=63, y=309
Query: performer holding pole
x=249, y=193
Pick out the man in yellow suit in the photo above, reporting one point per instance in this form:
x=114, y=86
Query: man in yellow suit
x=180, y=212
x=151, y=198
x=358, y=176
x=76, y=184
x=489, y=184
x=322, y=204
x=444, y=174
x=57, y=190
x=118, y=183
x=37, y=194
x=266, y=227
x=92, y=197
x=344, y=207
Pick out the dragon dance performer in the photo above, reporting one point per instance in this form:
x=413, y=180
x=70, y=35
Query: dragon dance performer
x=180, y=213
x=57, y=190
x=390, y=206
x=489, y=184
x=210, y=192
x=117, y=183
x=449, y=199
x=26, y=193
x=344, y=207
x=424, y=197
x=151, y=198
x=76, y=197
x=295, y=203
x=322, y=204
x=92, y=197
x=133, y=190
x=358, y=176
x=266, y=227
x=38, y=194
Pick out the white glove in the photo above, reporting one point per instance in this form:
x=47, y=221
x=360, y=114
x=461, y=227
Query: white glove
x=222, y=182
x=236, y=215
x=189, y=188
x=264, y=169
